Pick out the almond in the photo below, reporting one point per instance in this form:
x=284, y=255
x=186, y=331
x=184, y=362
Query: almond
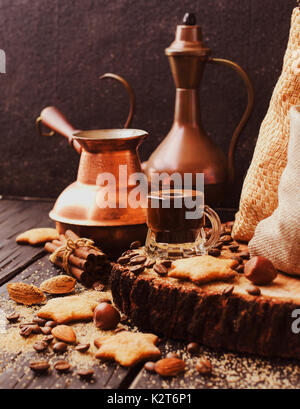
x=169, y=366
x=27, y=294
x=64, y=333
x=61, y=284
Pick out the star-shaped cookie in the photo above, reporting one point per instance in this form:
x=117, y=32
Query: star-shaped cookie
x=37, y=236
x=203, y=269
x=127, y=348
x=67, y=309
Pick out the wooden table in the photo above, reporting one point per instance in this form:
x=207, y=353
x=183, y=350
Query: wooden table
x=18, y=263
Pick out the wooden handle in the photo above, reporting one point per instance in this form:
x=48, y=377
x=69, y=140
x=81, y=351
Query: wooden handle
x=55, y=120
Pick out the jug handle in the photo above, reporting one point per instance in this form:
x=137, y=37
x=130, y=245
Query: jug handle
x=130, y=91
x=246, y=114
x=57, y=122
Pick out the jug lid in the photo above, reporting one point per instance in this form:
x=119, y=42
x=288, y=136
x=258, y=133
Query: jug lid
x=188, y=39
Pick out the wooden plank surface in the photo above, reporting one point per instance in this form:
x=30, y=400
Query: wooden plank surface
x=17, y=216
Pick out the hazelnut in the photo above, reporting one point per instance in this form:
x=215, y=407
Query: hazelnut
x=106, y=316
x=259, y=270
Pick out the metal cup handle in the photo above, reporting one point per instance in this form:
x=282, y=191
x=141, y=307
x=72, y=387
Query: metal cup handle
x=246, y=115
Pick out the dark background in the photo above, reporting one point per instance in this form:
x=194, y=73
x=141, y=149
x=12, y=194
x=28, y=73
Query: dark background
x=56, y=50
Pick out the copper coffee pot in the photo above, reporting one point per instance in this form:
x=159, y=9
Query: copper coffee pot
x=79, y=207
x=187, y=148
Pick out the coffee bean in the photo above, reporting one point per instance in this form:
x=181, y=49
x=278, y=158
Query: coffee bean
x=40, y=346
x=62, y=366
x=218, y=245
x=172, y=355
x=46, y=330
x=149, y=263
x=60, y=347
x=193, y=348
x=226, y=239
x=160, y=269
x=245, y=255
x=234, y=248
x=237, y=258
x=225, y=232
x=253, y=290
x=166, y=263
x=85, y=373
x=239, y=269
x=137, y=269
x=214, y=252
x=135, y=245
x=149, y=366
x=228, y=290
x=26, y=324
x=82, y=347
x=26, y=331
x=13, y=317
x=36, y=329
x=50, y=324
x=204, y=367
x=39, y=366
x=123, y=260
x=39, y=321
x=137, y=260
x=48, y=339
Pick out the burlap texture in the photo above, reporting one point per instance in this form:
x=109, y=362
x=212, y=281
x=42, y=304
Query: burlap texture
x=260, y=188
x=278, y=236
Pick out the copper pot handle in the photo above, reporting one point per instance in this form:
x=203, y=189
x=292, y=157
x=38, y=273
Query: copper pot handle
x=246, y=115
x=130, y=94
x=57, y=122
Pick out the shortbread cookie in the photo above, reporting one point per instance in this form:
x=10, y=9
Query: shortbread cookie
x=68, y=309
x=203, y=269
x=127, y=348
x=37, y=236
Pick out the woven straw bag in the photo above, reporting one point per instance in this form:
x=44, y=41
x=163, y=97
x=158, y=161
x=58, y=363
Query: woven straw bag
x=259, y=193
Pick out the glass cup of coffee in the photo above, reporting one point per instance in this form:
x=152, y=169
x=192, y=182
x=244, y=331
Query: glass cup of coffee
x=176, y=220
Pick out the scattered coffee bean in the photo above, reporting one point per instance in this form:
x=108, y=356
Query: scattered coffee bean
x=97, y=286
x=172, y=355
x=218, y=245
x=82, y=347
x=135, y=245
x=85, y=373
x=193, y=348
x=106, y=317
x=46, y=330
x=60, y=347
x=137, y=260
x=149, y=263
x=26, y=331
x=13, y=317
x=26, y=324
x=253, y=290
x=214, y=252
x=149, y=366
x=238, y=259
x=39, y=321
x=260, y=271
x=234, y=248
x=123, y=260
x=245, y=255
x=226, y=239
x=139, y=269
x=40, y=346
x=225, y=232
x=228, y=290
x=48, y=338
x=62, y=366
x=36, y=329
x=166, y=263
x=239, y=269
x=39, y=366
x=204, y=367
x=50, y=324
x=160, y=269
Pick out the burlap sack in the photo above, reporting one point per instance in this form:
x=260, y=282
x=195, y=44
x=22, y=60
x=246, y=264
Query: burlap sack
x=259, y=194
x=278, y=236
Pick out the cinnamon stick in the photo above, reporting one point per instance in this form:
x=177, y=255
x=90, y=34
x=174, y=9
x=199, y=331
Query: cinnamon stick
x=79, y=274
x=85, y=252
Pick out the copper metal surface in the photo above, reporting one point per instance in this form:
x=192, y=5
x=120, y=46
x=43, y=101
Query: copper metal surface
x=187, y=148
x=82, y=206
